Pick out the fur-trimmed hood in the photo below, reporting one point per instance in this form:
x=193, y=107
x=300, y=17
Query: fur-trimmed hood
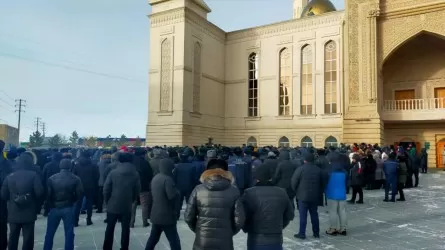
x=34, y=156
x=217, y=179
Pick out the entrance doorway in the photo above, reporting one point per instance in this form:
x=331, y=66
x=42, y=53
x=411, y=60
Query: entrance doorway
x=405, y=144
x=440, y=154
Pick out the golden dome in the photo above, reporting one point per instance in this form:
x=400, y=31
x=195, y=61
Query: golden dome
x=317, y=7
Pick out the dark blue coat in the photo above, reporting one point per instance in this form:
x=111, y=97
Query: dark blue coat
x=390, y=169
x=241, y=171
x=185, y=177
x=200, y=167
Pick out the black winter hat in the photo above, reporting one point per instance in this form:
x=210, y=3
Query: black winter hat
x=263, y=173
x=308, y=157
x=65, y=164
x=217, y=163
x=125, y=157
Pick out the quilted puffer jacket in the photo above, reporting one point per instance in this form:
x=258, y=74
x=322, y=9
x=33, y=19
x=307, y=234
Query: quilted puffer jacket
x=214, y=211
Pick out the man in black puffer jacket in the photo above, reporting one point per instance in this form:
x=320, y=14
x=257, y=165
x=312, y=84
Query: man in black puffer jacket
x=23, y=190
x=89, y=175
x=164, y=212
x=214, y=211
x=121, y=190
x=146, y=175
x=64, y=190
x=268, y=211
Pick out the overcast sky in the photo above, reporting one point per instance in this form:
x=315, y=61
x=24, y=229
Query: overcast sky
x=82, y=64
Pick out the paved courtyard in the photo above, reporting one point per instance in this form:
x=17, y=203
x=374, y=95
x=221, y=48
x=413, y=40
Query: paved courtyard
x=416, y=224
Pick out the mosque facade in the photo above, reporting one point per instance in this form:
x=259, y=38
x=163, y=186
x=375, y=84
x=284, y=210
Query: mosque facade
x=374, y=73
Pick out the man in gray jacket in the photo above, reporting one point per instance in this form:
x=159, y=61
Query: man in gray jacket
x=164, y=211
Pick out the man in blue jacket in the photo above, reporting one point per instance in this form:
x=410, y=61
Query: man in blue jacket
x=390, y=168
x=336, y=195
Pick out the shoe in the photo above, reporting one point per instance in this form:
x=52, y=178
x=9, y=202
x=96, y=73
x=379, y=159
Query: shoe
x=386, y=200
x=343, y=233
x=89, y=223
x=400, y=199
x=332, y=232
x=301, y=237
x=393, y=200
x=105, y=221
x=99, y=211
x=359, y=202
x=316, y=236
x=146, y=224
x=83, y=212
x=351, y=202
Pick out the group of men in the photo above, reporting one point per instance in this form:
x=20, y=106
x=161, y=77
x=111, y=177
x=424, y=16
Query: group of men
x=226, y=191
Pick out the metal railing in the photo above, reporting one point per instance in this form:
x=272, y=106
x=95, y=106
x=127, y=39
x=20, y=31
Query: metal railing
x=414, y=104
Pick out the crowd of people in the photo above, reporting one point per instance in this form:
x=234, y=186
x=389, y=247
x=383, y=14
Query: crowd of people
x=227, y=189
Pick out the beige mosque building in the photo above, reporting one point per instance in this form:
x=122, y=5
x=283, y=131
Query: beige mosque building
x=374, y=73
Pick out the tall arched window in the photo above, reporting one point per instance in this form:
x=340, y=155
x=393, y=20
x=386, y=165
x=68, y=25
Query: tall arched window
x=306, y=80
x=253, y=85
x=331, y=141
x=285, y=81
x=166, y=74
x=284, y=142
x=306, y=142
x=252, y=141
x=197, y=78
x=330, y=78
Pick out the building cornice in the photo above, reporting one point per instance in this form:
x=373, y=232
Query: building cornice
x=294, y=25
x=402, y=9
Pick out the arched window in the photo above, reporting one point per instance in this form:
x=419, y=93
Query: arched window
x=166, y=75
x=197, y=78
x=253, y=85
x=306, y=80
x=331, y=141
x=330, y=78
x=285, y=81
x=306, y=142
x=252, y=141
x=284, y=142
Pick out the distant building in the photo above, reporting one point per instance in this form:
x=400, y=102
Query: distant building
x=9, y=135
x=101, y=142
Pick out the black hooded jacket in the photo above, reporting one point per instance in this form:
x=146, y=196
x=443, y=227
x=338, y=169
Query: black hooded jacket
x=214, y=211
x=164, y=210
x=121, y=189
x=284, y=172
x=24, y=182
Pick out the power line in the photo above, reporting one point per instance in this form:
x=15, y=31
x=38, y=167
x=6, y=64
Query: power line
x=50, y=64
x=6, y=94
x=7, y=103
x=20, y=105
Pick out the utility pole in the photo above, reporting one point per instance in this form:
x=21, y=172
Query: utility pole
x=43, y=128
x=38, y=119
x=20, y=105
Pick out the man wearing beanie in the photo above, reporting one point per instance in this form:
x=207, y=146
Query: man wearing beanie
x=268, y=212
x=214, y=211
x=121, y=189
x=64, y=189
x=308, y=184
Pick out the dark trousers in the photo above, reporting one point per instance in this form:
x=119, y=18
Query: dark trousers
x=304, y=208
x=28, y=236
x=134, y=208
x=409, y=180
x=89, y=207
x=424, y=169
x=125, y=232
x=55, y=215
x=400, y=189
x=171, y=232
x=3, y=232
x=391, y=184
x=265, y=247
x=416, y=178
x=146, y=201
x=357, y=190
x=100, y=199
